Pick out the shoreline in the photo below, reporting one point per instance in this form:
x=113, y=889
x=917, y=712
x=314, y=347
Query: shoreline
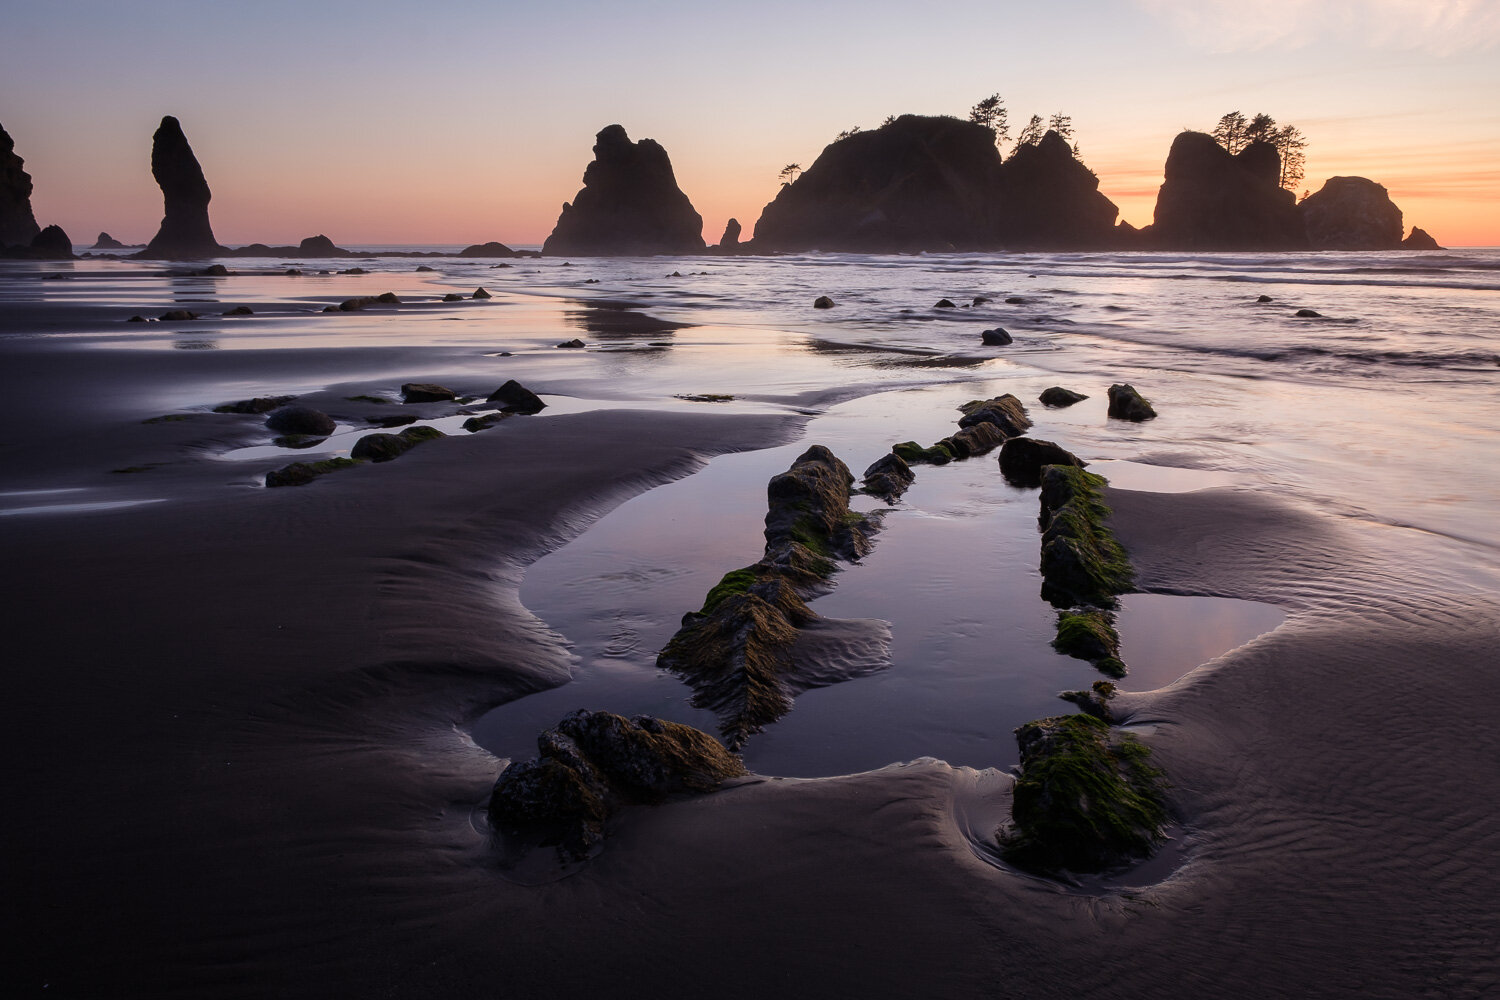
x=259, y=702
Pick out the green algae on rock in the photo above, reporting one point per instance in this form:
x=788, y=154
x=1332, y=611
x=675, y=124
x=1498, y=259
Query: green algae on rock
x=1086, y=800
x=1082, y=562
x=302, y=473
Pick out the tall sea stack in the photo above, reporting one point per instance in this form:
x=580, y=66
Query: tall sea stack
x=185, y=231
x=630, y=205
x=17, y=225
x=1052, y=201
x=1216, y=200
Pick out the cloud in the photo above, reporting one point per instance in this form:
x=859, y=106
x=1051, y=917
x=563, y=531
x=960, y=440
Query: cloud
x=1438, y=27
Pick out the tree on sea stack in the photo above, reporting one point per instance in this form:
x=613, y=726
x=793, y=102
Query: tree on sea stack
x=1031, y=134
x=991, y=113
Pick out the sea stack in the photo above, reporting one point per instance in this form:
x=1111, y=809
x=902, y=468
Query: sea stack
x=918, y=183
x=1216, y=200
x=1351, y=213
x=630, y=205
x=1052, y=201
x=17, y=225
x=185, y=231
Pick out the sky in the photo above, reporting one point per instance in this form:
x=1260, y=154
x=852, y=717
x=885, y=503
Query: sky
x=461, y=121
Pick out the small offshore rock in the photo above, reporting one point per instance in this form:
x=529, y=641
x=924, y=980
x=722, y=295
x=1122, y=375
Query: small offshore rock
x=301, y=420
x=998, y=337
x=980, y=300
x=944, y=304
x=136, y=319
x=1309, y=314
x=1005, y=412
x=426, y=392
x=453, y=297
x=484, y=422
x=178, y=316
x=480, y=293
x=1022, y=460
x=1127, y=404
x=1264, y=298
x=423, y=268
x=823, y=302
x=214, y=271
x=978, y=439
x=1058, y=397
x=240, y=311
x=574, y=343
x=1015, y=300
x=516, y=398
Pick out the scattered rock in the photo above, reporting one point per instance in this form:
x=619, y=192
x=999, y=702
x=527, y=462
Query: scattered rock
x=480, y=293
x=136, y=319
x=574, y=343
x=998, y=337
x=386, y=447
x=1308, y=314
x=260, y=404
x=514, y=397
x=823, y=302
x=488, y=420
x=1058, y=397
x=297, y=440
x=1022, y=460
x=980, y=300
x=453, y=297
x=1086, y=800
x=944, y=304
x=974, y=440
x=178, y=316
x=185, y=230
x=426, y=392
x=424, y=269
x=888, y=477
x=301, y=420
x=914, y=454
x=302, y=473
x=630, y=204
x=1264, y=298
x=213, y=271
x=1005, y=412
x=1082, y=562
x=354, y=270
x=595, y=763
x=1419, y=239
x=239, y=311
x=1127, y=404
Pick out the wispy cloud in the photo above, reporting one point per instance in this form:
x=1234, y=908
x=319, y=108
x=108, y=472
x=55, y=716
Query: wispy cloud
x=1440, y=27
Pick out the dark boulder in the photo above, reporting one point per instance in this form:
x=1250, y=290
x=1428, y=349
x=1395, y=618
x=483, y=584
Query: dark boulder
x=185, y=231
x=1022, y=460
x=1127, y=404
x=239, y=311
x=426, y=392
x=1308, y=314
x=1351, y=213
x=823, y=302
x=480, y=293
x=1420, y=239
x=809, y=504
x=1005, y=412
x=385, y=447
x=17, y=224
x=918, y=183
x=944, y=304
x=888, y=477
x=1214, y=200
x=630, y=204
x=300, y=420
x=976, y=439
x=178, y=316
x=302, y=473
x=1051, y=200
x=574, y=344
x=998, y=337
x=319, y=246
x=594, y=763
x=514, y=397
x=1057, y=396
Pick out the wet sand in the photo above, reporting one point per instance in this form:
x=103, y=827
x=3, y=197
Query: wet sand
x=237, y=719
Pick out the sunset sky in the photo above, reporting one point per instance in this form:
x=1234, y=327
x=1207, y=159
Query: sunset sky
x=457, y=121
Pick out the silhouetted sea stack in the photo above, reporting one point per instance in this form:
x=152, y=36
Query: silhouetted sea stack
x=52, y=244
x=107, y=242
x=1050, y=200
x=730, y=241
x=17, y=225
x=1420, y=239
x=1351, y=213
x=490, y=249
x=919, y=183
x=185, y=231
x=630, y=204
x=1215, y=200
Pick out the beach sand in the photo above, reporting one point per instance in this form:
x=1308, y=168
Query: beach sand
x=239, y=762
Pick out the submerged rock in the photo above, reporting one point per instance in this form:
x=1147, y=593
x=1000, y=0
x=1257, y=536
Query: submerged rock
x=302, y=473
x=998, y=337
x=1087, y=799
x=630, y=204
x=260, y=404
x=594, y=763
x=301, y=420
x=426, y=392
x=888, y=477
x=185, y=231
x=1057, y=396
x=1022, y=459
x=387, y=447
x=1127, y=404
x=514, y=397
x=490, y=249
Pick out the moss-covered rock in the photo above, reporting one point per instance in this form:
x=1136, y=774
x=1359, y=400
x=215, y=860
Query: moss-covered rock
x=1082, y=562
x=386, y=447
x=426, y=392
x=1087, y=634
x=1058, y=397
x=1085, y=801
x=260, y=404
x=809, y=504
x=1094, y=701
x=1127, y=404
x=302, y=473
x=1023, y=458
x=1006, y=412
x=888, y=477
x=914, y=454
